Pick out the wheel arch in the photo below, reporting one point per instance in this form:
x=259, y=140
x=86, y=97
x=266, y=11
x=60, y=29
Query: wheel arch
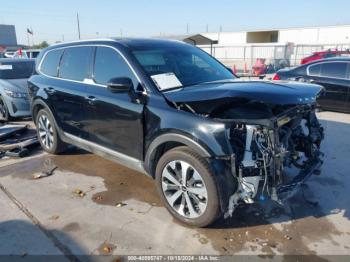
x=164, y=143
x=39, y=104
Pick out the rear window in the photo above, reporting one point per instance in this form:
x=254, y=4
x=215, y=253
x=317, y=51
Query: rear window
x=329, y=55
x=75, y=63
x=16, y=70
x=49, y=66
x=334, y=70
x=35, y=54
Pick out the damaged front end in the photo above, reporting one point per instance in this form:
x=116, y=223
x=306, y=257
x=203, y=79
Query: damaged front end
x=267, y=154
x=273, y=132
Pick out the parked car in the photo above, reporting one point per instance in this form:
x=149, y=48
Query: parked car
x=173, y=112
x=14, y=74
x=9, y=54
x=29, y=53
x=323, y=54
x=332, y=74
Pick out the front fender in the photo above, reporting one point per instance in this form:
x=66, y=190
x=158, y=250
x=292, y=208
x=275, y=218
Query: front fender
x=207, y=137
x=172, y=137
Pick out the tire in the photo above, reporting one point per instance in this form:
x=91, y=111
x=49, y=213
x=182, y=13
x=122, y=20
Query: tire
x=4, y=112
x=47, y=133
x=190, y=198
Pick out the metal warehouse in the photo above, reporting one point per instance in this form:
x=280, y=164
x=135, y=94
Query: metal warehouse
x=8, y=35
x=285, y=45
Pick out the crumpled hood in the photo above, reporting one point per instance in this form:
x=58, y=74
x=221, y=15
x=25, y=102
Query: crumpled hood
x=16, y=85
x=276, y=92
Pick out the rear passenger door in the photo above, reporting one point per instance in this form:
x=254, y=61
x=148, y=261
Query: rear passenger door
x=69, y=93
x=114, y=120
x=333, y=76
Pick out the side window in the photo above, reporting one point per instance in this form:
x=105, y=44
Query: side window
x=301, y=70
x=49, y=65
x=334, y=70
x=75, y=63
x=109, y=64
x=314, y=70
x=329, y=55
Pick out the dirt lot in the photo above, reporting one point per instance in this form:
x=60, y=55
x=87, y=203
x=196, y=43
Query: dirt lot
x=93, y=206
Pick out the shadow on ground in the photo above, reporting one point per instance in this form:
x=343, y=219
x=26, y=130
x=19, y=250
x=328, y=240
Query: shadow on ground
x=21, y=238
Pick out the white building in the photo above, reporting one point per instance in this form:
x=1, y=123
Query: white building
x=279, y=47
x=321, y=35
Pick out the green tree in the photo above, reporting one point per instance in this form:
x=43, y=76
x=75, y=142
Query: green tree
x=42, y=45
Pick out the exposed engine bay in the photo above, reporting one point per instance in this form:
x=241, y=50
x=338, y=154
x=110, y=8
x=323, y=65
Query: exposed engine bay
x=267, y=141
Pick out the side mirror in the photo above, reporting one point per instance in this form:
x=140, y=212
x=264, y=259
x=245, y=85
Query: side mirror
x=120, y=84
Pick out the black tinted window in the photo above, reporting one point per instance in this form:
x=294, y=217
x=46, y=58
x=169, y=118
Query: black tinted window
x=35, y=54
x=50, y=63
x=109, y=64
x=334, y=70
x=75, y=63
x=16, y=70
x=314, y=70
x=329, y=55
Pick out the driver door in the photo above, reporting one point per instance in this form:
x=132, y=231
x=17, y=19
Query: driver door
x=114, y=120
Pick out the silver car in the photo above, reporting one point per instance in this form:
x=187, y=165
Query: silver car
x=14, y=74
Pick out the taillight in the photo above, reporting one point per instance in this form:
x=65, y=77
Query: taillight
x=276, y=77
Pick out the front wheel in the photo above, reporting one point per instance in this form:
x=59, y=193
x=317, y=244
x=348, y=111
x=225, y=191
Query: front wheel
x=187, y=187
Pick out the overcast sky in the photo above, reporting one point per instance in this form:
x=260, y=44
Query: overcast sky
x=56, y=20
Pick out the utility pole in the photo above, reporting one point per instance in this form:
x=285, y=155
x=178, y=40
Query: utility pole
x=188, y=28
x=78, y=25
x=207, y=28
x=31, y=29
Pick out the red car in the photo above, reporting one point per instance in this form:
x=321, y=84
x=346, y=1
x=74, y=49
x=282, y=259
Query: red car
x=323, y=54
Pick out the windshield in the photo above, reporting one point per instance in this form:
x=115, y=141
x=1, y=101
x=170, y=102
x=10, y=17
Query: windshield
x=16, y=70
x=181, y=66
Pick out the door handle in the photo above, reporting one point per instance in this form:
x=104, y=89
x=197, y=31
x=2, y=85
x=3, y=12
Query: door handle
x=50, y=90
x=91, y=99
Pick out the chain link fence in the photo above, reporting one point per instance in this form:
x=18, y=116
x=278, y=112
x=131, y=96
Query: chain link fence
x=245, y=58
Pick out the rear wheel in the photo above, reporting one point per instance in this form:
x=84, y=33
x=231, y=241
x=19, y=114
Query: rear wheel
x=187, y=187
x=4, y=112
x=47, y=133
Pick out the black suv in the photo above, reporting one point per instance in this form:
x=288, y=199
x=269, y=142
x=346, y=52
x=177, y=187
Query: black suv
x=170, y=110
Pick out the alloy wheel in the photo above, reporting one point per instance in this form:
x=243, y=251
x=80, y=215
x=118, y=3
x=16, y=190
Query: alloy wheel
x=45, y=131
x=184, y=189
